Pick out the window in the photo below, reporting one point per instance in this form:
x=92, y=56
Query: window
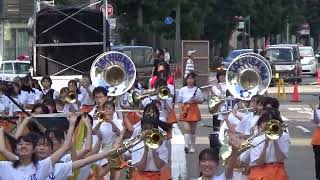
x=21, y=68
x=281, y=54
x=8, y=69
x=306, y=52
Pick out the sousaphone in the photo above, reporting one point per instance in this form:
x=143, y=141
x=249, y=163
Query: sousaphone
x=115, y=71
x=248, y=75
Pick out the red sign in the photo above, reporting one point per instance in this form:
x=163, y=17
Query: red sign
x=110, y=9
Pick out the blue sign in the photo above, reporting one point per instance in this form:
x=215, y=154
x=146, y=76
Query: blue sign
x=168, y=20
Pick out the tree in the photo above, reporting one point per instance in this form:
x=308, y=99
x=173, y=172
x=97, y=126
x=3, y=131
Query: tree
x=312, y=14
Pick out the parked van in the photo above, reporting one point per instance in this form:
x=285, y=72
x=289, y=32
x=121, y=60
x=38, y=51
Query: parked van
x=286, y=61
x=143, y=58
x=13, y=68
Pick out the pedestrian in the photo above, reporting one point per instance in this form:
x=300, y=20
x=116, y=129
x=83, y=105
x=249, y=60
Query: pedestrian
x=189, y=64
x=159, y=57
x=166, y=56
x=316, y=140
x=189, y=98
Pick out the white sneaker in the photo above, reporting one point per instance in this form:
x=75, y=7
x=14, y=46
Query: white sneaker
x=192, y=150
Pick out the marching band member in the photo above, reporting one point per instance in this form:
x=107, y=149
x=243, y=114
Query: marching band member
x=149, y=163
x=19, y=97
x=37, y=88
x=27, y=165
x=46, y=83
x=100, y=95
x=208, y=165
x=189, y=98
x=316, y=139
x=86, y=90
x=73, y=87
x=266, y=157
x=163, y=71
x=31, y=96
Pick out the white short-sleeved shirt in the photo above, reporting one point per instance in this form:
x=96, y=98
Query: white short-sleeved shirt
x=218, y=177
x=253, y=154
x=66, y=158
x=247, y=124
x=219, y=89
x=12, y=107
x=29, y=172
x=186, y=93
x=61, y=171
x=86, y=99
x=189, y=67
x=37, y=94
x=66, y=107
x=137, y=153
x=163, y=113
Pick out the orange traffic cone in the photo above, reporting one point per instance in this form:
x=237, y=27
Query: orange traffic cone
x=318, y=77
x=295, y=95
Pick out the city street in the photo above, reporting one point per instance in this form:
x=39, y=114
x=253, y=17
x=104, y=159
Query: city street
x=300, y=164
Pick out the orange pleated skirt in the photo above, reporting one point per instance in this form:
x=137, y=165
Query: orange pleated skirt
x=190, y=113
x=274, y=171
x=316, y=137
x=164, y=174
x=133, y=118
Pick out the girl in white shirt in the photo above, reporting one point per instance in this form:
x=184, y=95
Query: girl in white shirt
x=149, y=163
x=30, y=94
x=208, y=165
x=189, y=98
x=86, y=90
x=48, y=92
x=26, y=165
x=266, y=158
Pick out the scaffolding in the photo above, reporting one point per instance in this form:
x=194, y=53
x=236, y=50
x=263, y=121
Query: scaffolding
x=38, y=5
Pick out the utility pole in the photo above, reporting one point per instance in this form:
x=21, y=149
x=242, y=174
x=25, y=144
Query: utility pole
x=105, y=17
x=287, y=31
x=177, y=48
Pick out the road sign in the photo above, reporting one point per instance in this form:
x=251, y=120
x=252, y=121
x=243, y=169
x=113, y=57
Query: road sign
x=110, y=9
x=168, y=20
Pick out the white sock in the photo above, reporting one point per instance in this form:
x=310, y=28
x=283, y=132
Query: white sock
x=187, y=140
x=193, y=140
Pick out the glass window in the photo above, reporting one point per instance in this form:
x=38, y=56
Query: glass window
x=279, y=54
x=8, y=69
x=306, y=52
x=21, y=68
x=1, y=68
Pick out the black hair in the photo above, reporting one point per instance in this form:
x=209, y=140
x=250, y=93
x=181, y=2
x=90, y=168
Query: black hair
x=270, y=102
x=31, y=139
x=192, y=75
x=220, y=73
x=44, y=138
x=209, y=154
x=50, y=102
x=152, y=107
x=57, y=133
x=80, y=116
x=160, y=83
x=257, y=98
x=166, y=66
x=87, y=75
x=109, y=103
x=16, y=93
x=44, y=108
x=75, y=83
x=35, y=84
x=98, y=90
x=163, y=74
x=268, y=114
x=46, y=78
x=25, y=84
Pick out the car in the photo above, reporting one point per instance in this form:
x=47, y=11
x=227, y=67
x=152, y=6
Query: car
x=309, y=62
x=285, y=58
x=10, y=69
x=143, y=58
x=233, y=54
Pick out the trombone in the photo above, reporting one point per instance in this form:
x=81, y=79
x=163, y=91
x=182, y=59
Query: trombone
x=135, y=98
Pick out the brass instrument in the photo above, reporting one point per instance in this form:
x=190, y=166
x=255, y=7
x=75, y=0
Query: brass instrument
x=135, y=98
x=115, y=71
x=225, y=112
x=71, y=98
x=101, y=116
x=153, y=138
x=248, y=75
x=273, y=131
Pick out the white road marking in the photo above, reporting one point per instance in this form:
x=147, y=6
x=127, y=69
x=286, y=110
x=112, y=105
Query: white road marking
x=303, y=129
x=178, y=156
x=295, y=109
x=284, y=118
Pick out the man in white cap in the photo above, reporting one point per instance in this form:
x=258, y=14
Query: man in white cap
x=189, y=64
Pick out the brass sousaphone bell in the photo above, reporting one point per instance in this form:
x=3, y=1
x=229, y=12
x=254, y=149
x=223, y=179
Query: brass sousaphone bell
x=115, y=71
x=249, y=74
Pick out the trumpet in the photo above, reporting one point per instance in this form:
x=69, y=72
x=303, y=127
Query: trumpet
x=135, y=98
x=101, y=116
x=71, y=98
x=273, y=131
